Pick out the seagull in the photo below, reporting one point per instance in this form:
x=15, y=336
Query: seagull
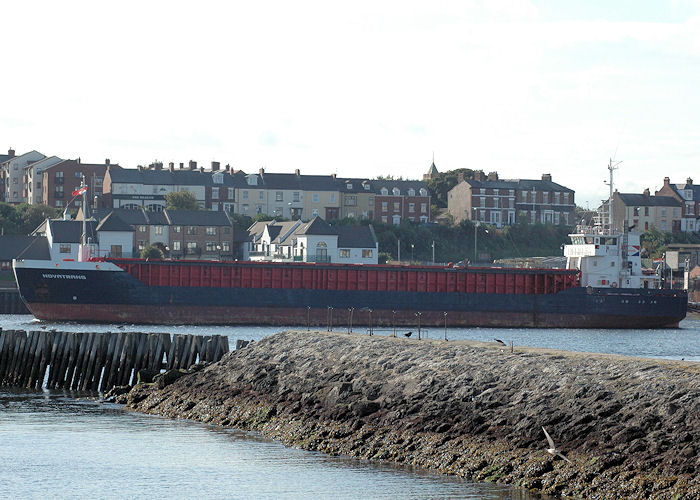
x=552, y=450
x=500, y=342
x=408, y=334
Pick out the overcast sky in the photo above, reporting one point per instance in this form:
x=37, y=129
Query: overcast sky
x=362, y=88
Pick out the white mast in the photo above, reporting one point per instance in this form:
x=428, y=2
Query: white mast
x=611, y=168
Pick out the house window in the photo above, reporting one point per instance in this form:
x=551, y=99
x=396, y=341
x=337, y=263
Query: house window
x=315, y=198
x=396, y=191
x=344, y=253
x=523, y=196
x=231, y=194
x=396, y=206
x=210, y=246
x=635, y=212
x=142, y=244
x=385, y=219
x=366, y=254
x=646, y=211
x=245, y=194
x=411, y=192
x=482, y=190
x=191, y=230
x=332, y=197
x=176, y=245
x=423, y=207
x=211, y=231
x=244, y=209
x=261, y=195
x=65, y=248
x=351, y=201
x=59, y=203
x=545, y=198
x=314, y=212
x=158, y=230
x=225, y=246
x=141, y=229
x=177, y=229
x=385, y=206
x=215, y=193
x=279, y=195
x=116, y=251
x=348, y=186
x=370, y=200
x=556, y=198
x=295, y=196
x=191, y=245
x=482, y=201
x=411, y=207
x=385, y=191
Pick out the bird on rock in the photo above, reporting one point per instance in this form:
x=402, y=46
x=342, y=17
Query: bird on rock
x=500, y=342
x=408, y=334
x=552, y=449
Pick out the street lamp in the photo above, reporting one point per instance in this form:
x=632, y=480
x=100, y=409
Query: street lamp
x=411, y=252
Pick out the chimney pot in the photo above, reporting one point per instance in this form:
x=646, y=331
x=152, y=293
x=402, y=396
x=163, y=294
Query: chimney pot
x=262, y=170
x=493, y=176
x=667, y=181
x=107, y=162
x=171, y=166
x=460, y=177
x=689, y=181
x=647, y=192
x=297, y=172
x=193, y=164
x=11, y=152
x=215, y=165
x=547, y=177
x=182, y=165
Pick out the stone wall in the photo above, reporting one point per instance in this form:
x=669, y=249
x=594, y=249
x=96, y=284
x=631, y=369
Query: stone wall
x=631, y=427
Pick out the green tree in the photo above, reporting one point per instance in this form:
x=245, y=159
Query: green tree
x=444, y=181
x=181, y=200
x=31, y=216
x=151, y=252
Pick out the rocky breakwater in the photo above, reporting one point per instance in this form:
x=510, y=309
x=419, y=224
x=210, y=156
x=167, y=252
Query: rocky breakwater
x=630, y=427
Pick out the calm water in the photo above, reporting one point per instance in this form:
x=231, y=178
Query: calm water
x=57, y=445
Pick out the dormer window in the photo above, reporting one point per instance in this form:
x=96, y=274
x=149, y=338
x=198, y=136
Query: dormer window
x=385, y=191
x=396, y=191
x=218, y=178
x=411, y=192
x=423, y=192
x=348, y=186
x=366, y=186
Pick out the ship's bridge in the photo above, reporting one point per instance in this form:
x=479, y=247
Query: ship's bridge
x=592, y=245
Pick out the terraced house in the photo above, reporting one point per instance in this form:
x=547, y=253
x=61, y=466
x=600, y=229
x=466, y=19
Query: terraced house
x=498, y=202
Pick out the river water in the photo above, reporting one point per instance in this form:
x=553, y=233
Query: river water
x=69, y=445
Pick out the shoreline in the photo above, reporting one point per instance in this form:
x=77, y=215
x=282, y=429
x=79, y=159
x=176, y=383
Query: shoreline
x=473, y=409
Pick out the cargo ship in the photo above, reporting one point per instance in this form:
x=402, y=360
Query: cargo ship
x=603, y=286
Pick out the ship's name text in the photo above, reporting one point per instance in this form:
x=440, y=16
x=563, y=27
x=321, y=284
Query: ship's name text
x=63, y=276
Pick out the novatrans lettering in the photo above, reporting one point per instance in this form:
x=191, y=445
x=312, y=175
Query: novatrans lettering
x=63, y=276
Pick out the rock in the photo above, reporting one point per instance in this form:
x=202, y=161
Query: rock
x=167, y=378
x=145, y=376
x=462, y=408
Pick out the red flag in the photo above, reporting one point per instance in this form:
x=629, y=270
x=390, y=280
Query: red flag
x=80, y=191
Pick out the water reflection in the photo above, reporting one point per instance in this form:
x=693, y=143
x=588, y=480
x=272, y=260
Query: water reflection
x=58, y=446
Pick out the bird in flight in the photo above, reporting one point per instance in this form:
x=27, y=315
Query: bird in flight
x=500, y=342
x=552, y=449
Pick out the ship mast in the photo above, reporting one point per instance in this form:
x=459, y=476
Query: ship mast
x=611, y=168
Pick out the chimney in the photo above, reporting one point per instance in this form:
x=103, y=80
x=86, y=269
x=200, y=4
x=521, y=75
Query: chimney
x=460, y=177
x=140, y=167
x=689, y=181
x=335, y=176
x=107, y=162
x=158, y=165
x=182, y=165
x=228, y=168
x=78, y=160
x=297, y=172
x=201, y=169
x=493, y=176
x=193, y=164
x=667, y=181
x=547, y=177
x=262, y=171
x=215, y=165
x=11, y=153
x=479, y=176
x=171, y=166
x=647, y=192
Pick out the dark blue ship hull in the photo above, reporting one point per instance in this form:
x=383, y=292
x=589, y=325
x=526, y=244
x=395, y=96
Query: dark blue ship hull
x=101, y=295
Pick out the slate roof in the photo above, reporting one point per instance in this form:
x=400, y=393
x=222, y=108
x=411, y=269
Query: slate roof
x=403, y=186
x=184, y=177
x=356, y=237
x=681, y=187
x=316, y=227
x=112, y=222
x=75, y=163
x=48, y=159
x=70, y=231
x=20, y=156
x=519, y=184
x=641, y=200
x=283, y=231
x=197, y=218
x=20, y=246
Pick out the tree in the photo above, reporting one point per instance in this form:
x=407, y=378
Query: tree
x=151, y=252
x=31, y=216
x=181, y=200
x=444, y=181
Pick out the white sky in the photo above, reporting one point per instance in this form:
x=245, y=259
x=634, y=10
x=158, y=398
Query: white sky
x=362, y=88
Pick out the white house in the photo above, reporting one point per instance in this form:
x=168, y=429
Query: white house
x=32, y=178
x=13, y=173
